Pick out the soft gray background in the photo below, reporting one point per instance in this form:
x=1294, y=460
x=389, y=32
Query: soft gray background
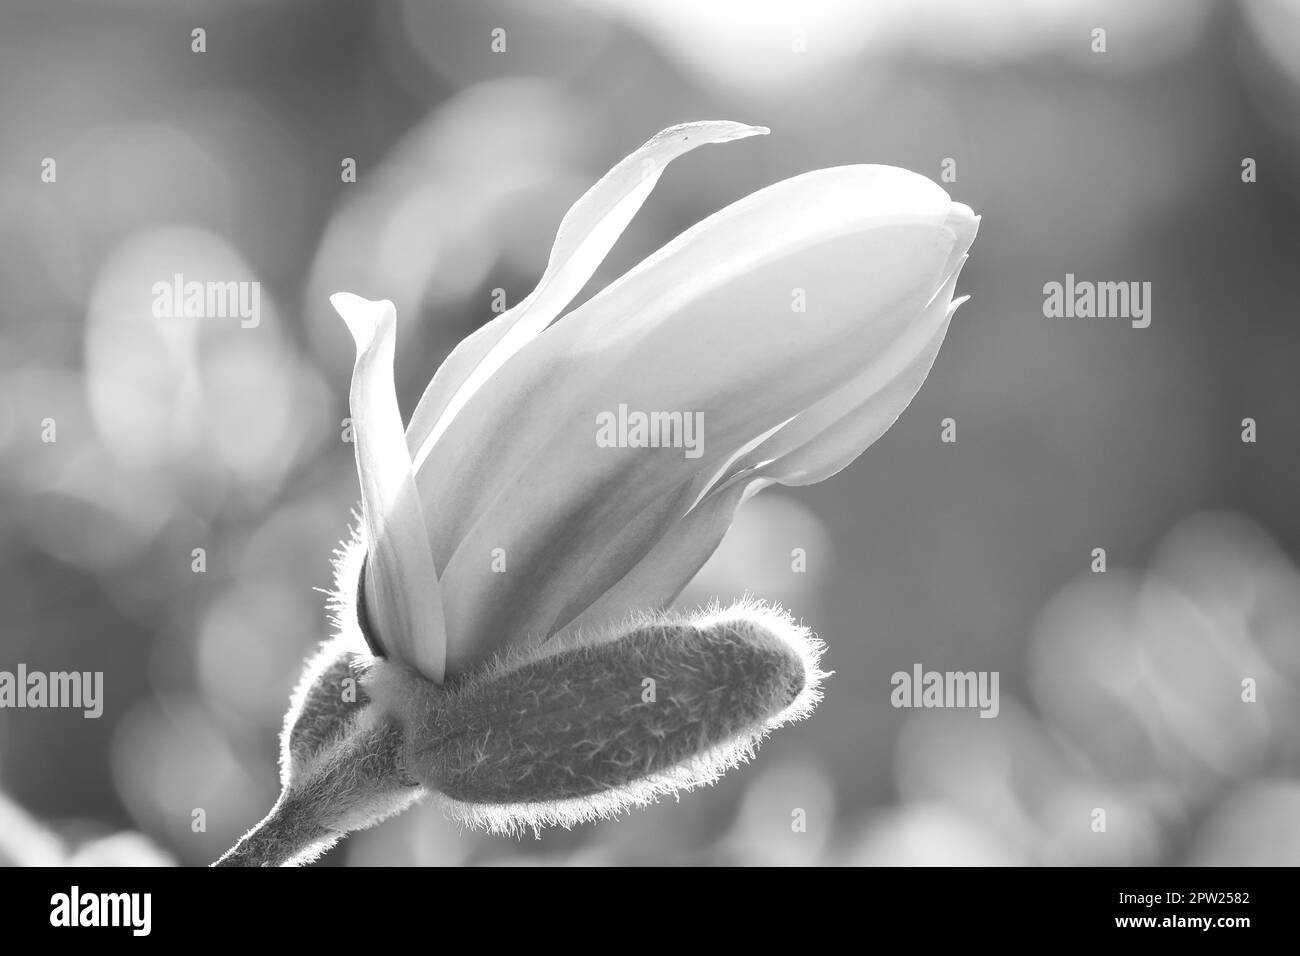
x=1118, y=691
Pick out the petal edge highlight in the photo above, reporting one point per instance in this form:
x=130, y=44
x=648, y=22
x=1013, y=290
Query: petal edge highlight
x=586, y=234
x=401, y=582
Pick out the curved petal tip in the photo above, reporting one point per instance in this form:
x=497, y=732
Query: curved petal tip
x=402, y=601
x=365, y=318
x=712, y=131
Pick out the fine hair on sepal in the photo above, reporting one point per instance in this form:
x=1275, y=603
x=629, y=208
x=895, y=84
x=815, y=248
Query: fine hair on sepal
x=584, y=726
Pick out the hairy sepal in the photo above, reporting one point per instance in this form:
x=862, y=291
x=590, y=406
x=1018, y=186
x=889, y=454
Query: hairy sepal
x=585, y=726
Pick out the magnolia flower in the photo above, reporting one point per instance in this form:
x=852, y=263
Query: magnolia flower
x=501, y=605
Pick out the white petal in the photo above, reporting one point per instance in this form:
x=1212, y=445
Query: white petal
x=825, y=438
x=835, y=443
x=586, y=234
x=813, y=446
x=704, y=325
x=658, y=577
x=402, y=596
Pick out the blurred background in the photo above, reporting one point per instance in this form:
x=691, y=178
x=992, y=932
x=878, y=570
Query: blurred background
x=1120, y=690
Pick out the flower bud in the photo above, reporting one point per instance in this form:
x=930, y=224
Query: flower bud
x=581, y=727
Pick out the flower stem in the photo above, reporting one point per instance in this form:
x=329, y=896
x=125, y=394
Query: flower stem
x=286, y=836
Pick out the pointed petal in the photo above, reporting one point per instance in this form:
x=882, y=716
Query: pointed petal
x=824, y=439
x=586, y=234
x=401, y=596
x=703, y=326
x=836, y=443
x=814, y=445
x=706, y=325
